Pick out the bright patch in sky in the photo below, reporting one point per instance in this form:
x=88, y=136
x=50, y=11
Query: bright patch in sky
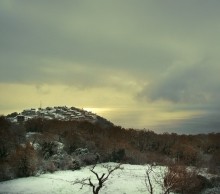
x=98, y=111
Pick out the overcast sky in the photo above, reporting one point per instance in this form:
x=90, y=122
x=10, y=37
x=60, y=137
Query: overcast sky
x=142, y=64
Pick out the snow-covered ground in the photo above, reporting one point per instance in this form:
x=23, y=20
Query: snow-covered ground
x=129, y=180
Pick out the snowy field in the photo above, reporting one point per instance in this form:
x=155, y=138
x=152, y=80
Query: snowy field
x=129, y=180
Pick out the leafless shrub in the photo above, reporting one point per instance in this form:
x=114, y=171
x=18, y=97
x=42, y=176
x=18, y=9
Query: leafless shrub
x=89, y=158
x=49, y=166
x=175, y=178
x=182, y=180
x=24, y=160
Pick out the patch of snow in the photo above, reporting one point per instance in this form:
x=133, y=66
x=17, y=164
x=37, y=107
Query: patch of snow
x=29, y=134
x=36, y=146
x=130, y=180
x=60, y=146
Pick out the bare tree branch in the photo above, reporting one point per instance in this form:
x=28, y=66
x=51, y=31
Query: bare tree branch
x=101, y=178
x=148, y=179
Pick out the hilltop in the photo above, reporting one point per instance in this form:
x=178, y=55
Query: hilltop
x=62, y=113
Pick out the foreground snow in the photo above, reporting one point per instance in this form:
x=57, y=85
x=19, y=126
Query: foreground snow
x=129, y=180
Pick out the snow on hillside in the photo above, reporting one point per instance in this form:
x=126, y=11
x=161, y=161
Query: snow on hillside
x=57, y=112
x=129, y=180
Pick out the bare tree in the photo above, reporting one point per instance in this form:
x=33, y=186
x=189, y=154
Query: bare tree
x=101, y=178
x=147, y=179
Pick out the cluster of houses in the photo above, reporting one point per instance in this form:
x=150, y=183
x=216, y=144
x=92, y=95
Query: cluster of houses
x=58, y=112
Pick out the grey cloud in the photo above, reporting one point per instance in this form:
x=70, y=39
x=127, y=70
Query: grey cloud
x=120, y=35
x=141, y=39
x=197, y=83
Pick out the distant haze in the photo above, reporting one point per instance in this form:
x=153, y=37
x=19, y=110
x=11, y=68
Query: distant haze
x=140, y=64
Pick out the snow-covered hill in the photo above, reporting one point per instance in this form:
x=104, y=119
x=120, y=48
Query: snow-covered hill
x=57, y=112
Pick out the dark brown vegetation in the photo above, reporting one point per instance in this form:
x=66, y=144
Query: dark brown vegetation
x=18, y=157
x=179, y=179
x=176, y=178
